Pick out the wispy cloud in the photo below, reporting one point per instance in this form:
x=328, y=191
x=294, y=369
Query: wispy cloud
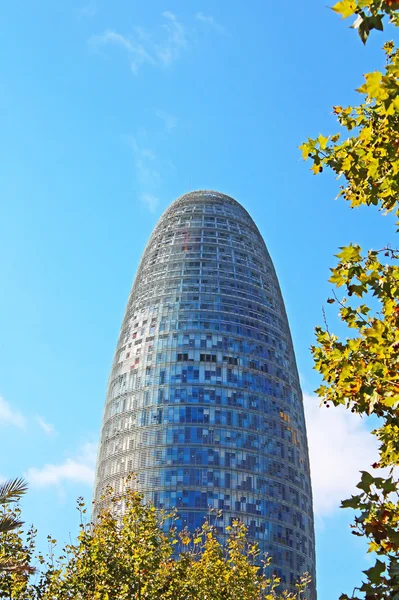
x=169, y=121
x=48, y=428
x=78, y=469
x=10, y=415
x=175, y=40
x=210, y=22
x=150, y=201
x=147, y=174
x=144, y=48
x=340, y=446
x=110, y=37
x=144, y=160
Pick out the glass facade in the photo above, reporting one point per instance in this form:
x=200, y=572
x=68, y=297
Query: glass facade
x=203, y=400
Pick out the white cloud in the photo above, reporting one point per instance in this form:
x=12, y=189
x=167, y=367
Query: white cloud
x=144, y=162
x=143, y=49
x=10, y=416
x=340, y=446
x=169, y=51
x=210, y=21
x=110, y=37
x=147, y=174
x=169, y=121
x=79, y=469
x=48, y=428
x=150, y=201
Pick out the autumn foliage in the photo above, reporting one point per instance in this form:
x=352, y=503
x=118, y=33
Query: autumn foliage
x=361, y=372
x=137, y=554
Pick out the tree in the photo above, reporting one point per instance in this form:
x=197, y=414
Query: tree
x=132, y=555
x=361, y=372
x=15, y=554
x=10, y=491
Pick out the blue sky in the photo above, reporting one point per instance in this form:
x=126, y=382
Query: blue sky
x=110, y=110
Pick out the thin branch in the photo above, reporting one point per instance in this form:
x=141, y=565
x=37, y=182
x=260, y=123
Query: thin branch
x=356, y=311
x=325, y=319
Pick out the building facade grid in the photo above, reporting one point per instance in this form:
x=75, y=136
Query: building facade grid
x=203, y=401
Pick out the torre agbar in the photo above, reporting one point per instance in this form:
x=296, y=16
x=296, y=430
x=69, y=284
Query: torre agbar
x=204, y=403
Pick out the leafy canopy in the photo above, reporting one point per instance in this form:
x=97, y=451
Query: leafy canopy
x=15, y=554
x=369, y=15
x=361, y=372
x=368, y=158
x=138, y=554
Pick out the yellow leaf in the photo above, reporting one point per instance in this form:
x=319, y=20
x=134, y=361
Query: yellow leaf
x=347, y=163
x=373, y=547
x=304, y=148
x=373, y=166
x=316, y=169
x=323, y=141
x=372, y=87
x=346, y=8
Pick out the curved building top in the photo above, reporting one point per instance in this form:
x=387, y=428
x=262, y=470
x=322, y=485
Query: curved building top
x=212, y=197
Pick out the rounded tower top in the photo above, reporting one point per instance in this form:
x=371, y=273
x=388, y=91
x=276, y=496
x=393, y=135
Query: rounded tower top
x=211, y=197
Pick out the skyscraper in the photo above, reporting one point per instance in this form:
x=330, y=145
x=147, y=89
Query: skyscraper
x=203, y=400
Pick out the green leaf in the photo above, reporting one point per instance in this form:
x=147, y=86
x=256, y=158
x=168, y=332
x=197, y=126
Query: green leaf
x=366, y=481
x=374, y=573
x=8, y=523
x=12, y=490
x=376, y=22
x=349, y=253
x=389, y=486
x=352, y=502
